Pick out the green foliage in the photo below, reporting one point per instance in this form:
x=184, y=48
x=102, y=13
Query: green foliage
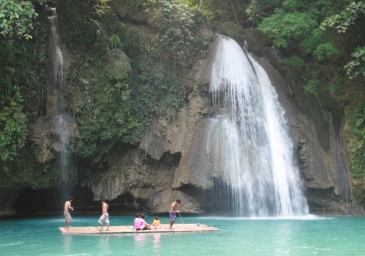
x=218, y=11
x=16, y=18
x=293, y=5
x=341, y=22
x=324, y=51
x=23, y=65
x=179, y=35
x=27, y=172
x=293, y=62
x=357, y=156
x=356, y=66
x=13, y=129
x=283, y=27
x=114, y=41
x=311, y=86
x=294, y=26
x=104, y=117
x=127, y=77
x=346, y=17
x=257, y=10
x=316, y=44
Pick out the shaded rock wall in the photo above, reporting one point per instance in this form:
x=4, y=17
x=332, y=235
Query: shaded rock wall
x=7, y=199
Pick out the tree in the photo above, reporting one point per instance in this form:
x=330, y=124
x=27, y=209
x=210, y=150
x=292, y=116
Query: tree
x=341, y=22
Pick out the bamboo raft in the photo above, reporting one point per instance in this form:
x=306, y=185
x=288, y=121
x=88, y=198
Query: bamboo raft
x=129, y=229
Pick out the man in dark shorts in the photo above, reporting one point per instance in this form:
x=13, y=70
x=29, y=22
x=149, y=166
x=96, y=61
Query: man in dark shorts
x=173, y=212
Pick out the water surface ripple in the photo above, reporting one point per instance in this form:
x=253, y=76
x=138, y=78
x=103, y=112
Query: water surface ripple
x=307, y=235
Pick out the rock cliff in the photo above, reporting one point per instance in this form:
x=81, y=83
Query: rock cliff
x=180, y=142
x=170, y=161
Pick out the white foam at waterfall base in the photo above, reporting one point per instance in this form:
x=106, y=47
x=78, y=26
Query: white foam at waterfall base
x=310, y=217
x=248, y=146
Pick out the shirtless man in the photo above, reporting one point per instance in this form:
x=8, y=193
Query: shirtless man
x=104, y=216
x=66, y=213
x=173, y=212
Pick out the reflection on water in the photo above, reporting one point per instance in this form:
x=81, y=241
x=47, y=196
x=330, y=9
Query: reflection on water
x=139, y=239
x=156, y=240
x=67, y=239
x=156, y=243
x=104, y=243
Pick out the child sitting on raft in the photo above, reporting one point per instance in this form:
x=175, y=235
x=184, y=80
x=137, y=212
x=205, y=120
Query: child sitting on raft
x=156, y=224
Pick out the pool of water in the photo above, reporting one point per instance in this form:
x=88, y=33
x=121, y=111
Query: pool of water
x=310, y=235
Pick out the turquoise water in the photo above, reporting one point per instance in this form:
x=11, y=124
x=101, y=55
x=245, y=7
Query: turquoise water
x=310, y=235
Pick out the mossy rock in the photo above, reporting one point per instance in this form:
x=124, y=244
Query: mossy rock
x=233, y=30
x=257, y=41
x=118, y=65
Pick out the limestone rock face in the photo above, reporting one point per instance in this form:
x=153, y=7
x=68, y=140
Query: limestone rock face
x=43, y=132
x=171, y=162
x=160, y=201
x=133, y=172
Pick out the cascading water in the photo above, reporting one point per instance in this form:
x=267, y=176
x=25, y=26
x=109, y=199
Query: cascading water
x=60, y=120
x=248, y=144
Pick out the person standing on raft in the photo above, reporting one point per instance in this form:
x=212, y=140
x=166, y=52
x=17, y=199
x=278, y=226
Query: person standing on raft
x=66, y=213
x=173, y=212
x=104, y=216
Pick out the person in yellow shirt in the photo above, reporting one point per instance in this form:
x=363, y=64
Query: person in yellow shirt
x=156, y=224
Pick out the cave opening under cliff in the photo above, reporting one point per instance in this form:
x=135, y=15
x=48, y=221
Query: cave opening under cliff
x=49, y=202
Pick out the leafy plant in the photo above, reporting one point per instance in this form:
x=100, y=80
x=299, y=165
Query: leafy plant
x=283, y=27
x=16, y=18
x=114, y=41
x=357, y=156
x=293, y=62
x=341, y=22
x=13, y=129
x=345, y=18
x=356, y=66
x=311, y=86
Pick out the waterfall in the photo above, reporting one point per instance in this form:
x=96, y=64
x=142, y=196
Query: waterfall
x=60, y=117
x=248, y=145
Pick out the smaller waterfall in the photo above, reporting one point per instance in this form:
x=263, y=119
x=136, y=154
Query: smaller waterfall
x=60, y=120
x=248, y=143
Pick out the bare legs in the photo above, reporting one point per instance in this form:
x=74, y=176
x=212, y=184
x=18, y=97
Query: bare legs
x=107, y=226
x=171, y=223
